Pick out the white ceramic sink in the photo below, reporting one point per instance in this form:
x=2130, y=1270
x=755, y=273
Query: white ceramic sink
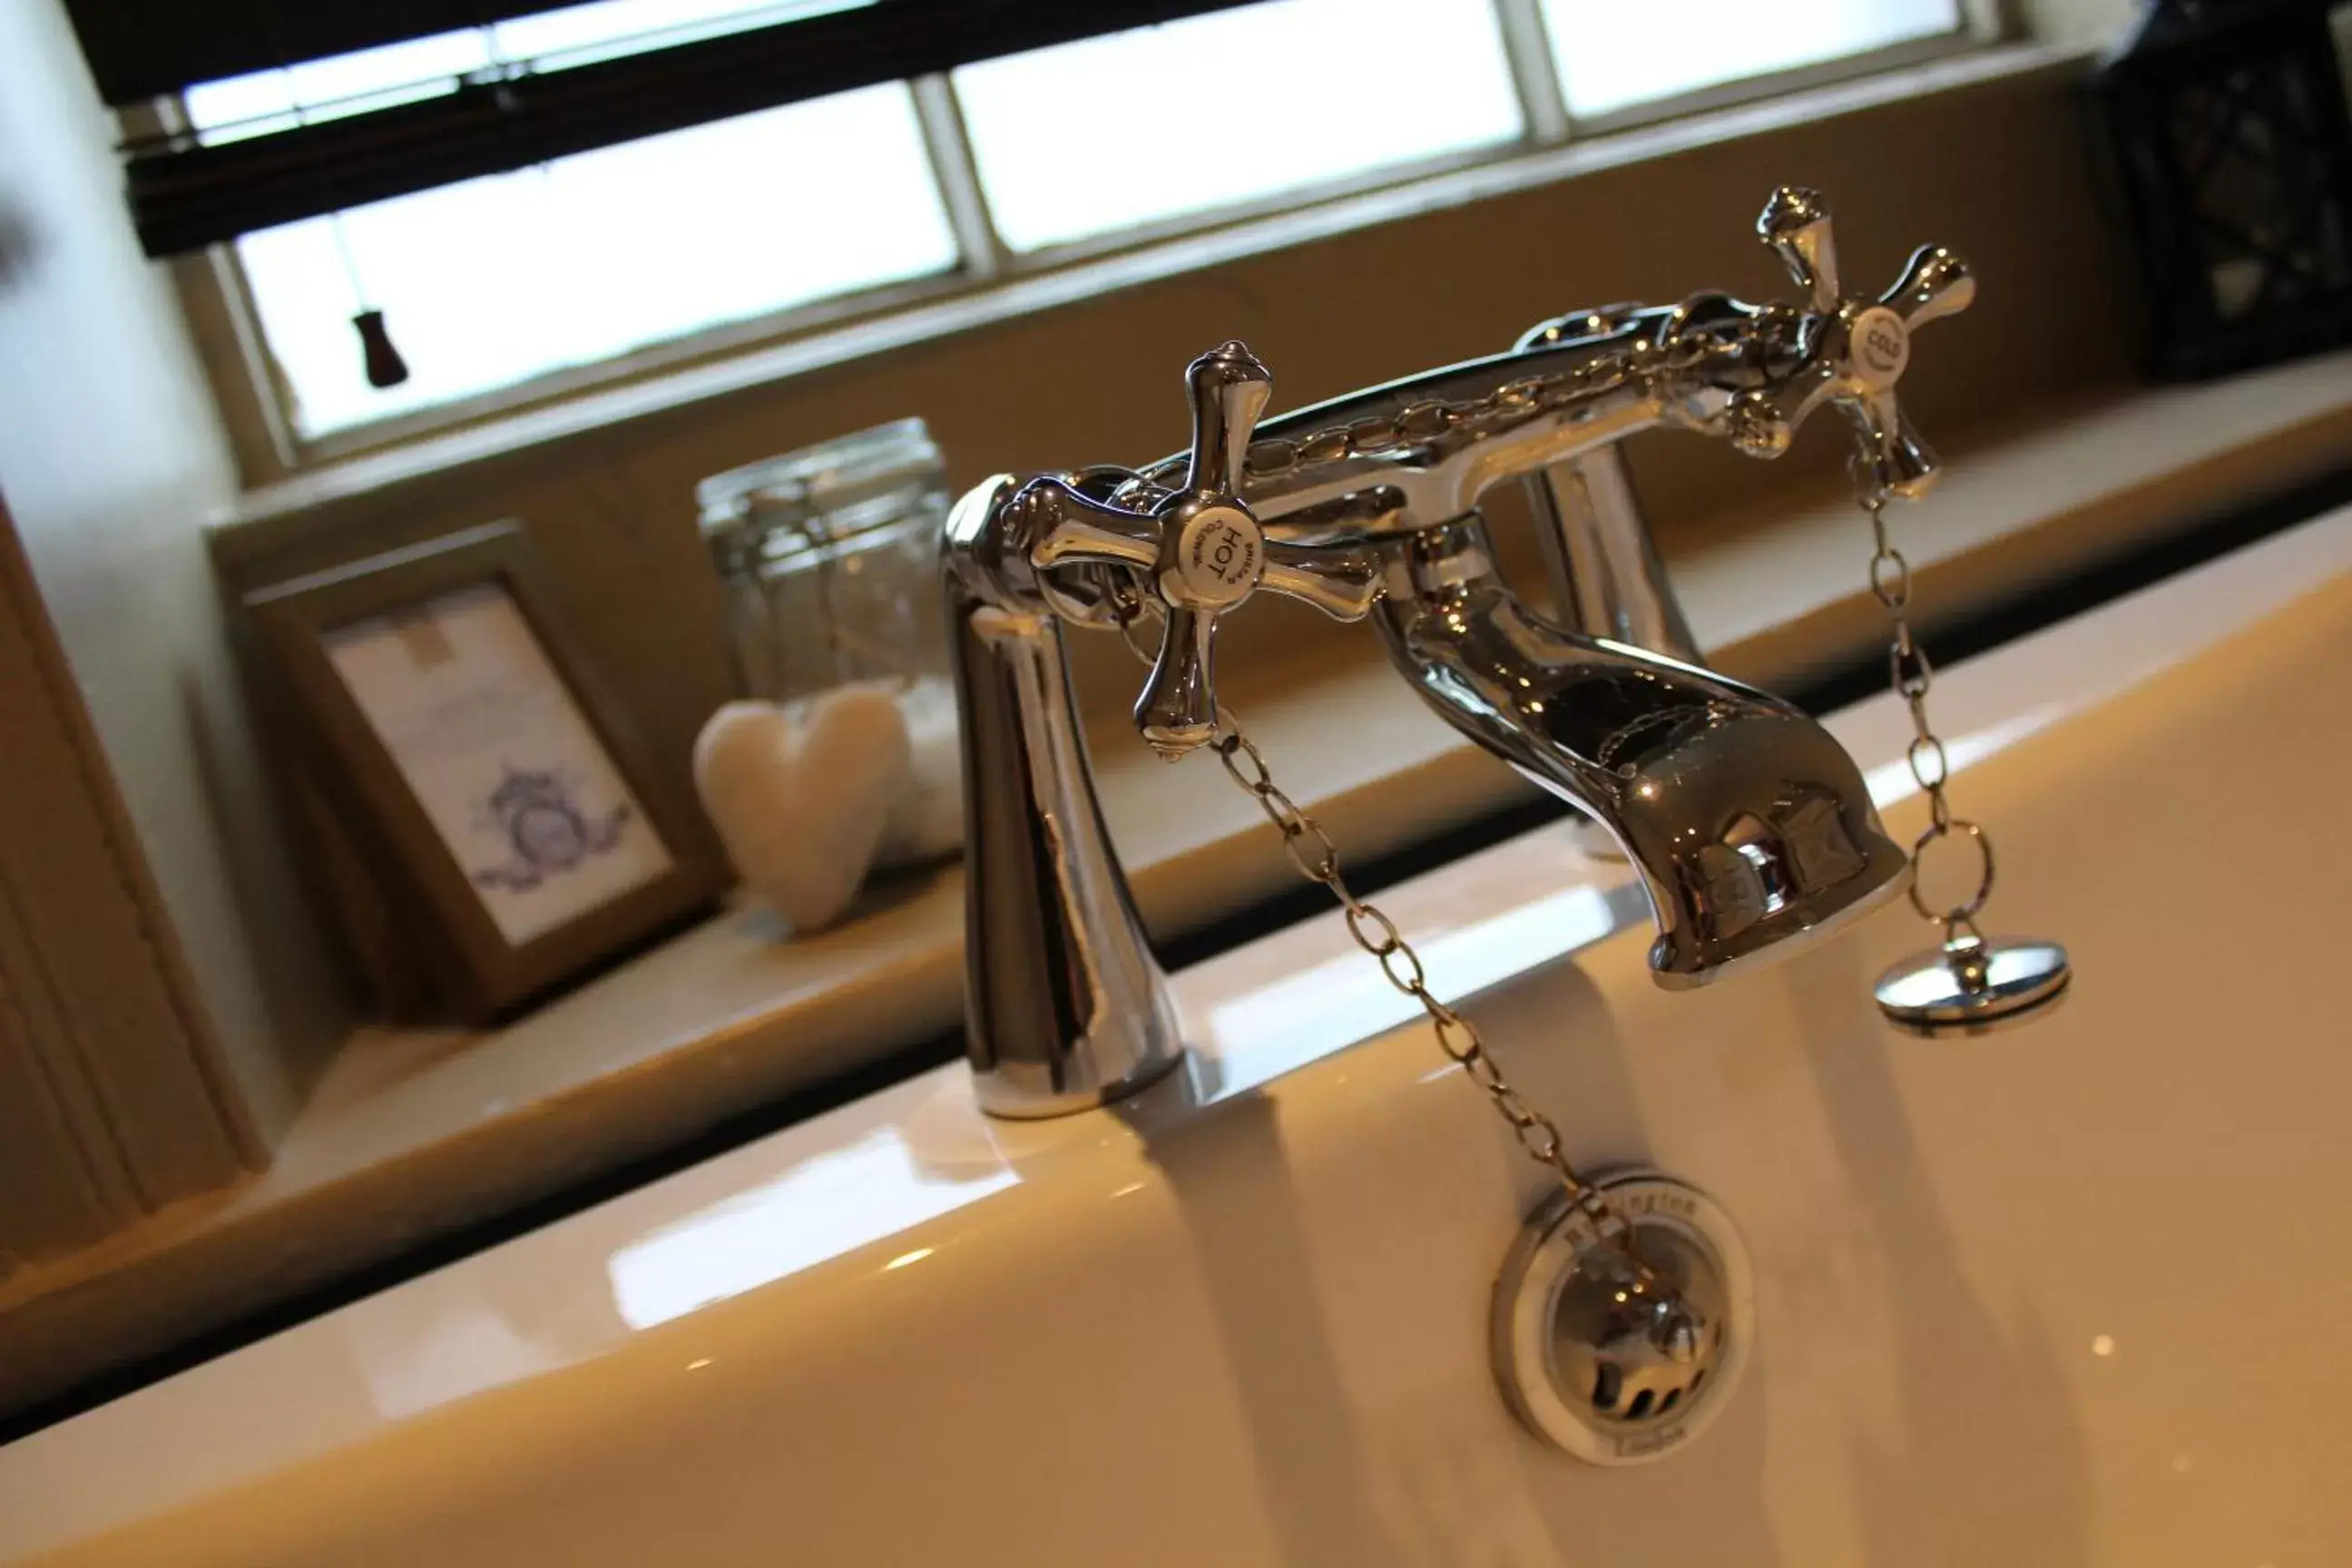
x=2070, y=1294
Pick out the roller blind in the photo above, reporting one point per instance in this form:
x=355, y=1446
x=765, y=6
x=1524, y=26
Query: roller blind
x=187, y=192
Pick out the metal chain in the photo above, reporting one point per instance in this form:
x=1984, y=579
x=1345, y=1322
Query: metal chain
x=1311, y=850
x=1913, y=676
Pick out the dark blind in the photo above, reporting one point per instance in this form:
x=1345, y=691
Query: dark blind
x=139, y=49
x=184, y=196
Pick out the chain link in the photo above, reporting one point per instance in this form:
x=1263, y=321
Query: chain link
x=1310, y=849
x=1913, y=676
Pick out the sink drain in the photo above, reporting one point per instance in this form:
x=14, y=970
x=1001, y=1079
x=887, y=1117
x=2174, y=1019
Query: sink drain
x=1615, y=1364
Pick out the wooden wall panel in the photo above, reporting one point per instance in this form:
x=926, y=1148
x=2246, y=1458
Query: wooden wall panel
x=112, y=1101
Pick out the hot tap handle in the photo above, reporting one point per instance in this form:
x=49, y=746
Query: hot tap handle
x=1200, y=549
x=1856, y=348
x=1228, y=388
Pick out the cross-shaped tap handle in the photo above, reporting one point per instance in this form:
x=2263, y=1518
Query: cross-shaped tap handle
x=1200, y=549
x=1854, y=350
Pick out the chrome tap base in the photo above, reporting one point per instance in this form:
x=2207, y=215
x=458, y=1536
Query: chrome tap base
x=1065, y=1007
x=1973, y=987
x=1603, y=1363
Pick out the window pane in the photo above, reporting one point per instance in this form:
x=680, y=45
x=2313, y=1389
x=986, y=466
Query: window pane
x=1089, y=138
x=488, y=282
x=1612, y=55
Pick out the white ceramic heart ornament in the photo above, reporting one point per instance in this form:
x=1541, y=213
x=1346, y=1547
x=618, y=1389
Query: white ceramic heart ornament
x=799, y=797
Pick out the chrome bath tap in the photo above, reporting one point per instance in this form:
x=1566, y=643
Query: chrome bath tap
x=1749, y=827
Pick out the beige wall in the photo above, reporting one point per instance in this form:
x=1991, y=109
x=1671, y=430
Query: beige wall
x=1996, y=170
x=111, y=458
x=2088, y=21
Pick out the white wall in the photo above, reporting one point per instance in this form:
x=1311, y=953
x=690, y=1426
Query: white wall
x=111, y=457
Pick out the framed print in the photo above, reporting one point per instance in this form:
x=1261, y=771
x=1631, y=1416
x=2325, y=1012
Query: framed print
x=498, y=786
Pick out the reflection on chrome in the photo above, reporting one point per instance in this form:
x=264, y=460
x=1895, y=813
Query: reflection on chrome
x=1746, y=822
x=831, y=1205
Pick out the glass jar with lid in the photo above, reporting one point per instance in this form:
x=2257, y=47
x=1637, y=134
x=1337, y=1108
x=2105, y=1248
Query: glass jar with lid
x=829, y=558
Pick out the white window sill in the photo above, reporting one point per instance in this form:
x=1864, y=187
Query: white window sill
x=415, y=1133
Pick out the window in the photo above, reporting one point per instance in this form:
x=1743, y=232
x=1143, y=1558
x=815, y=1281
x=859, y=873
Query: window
x=1613, y=57
x=1225, y=109
x=495, y=283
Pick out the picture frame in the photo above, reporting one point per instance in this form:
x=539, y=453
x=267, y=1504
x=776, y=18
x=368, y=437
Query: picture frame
x=495, y=791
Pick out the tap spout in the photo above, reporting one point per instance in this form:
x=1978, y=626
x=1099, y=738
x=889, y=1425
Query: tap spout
x=1750, y=826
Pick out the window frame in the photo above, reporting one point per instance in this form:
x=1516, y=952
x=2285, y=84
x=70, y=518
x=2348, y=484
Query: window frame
x=257, y=414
